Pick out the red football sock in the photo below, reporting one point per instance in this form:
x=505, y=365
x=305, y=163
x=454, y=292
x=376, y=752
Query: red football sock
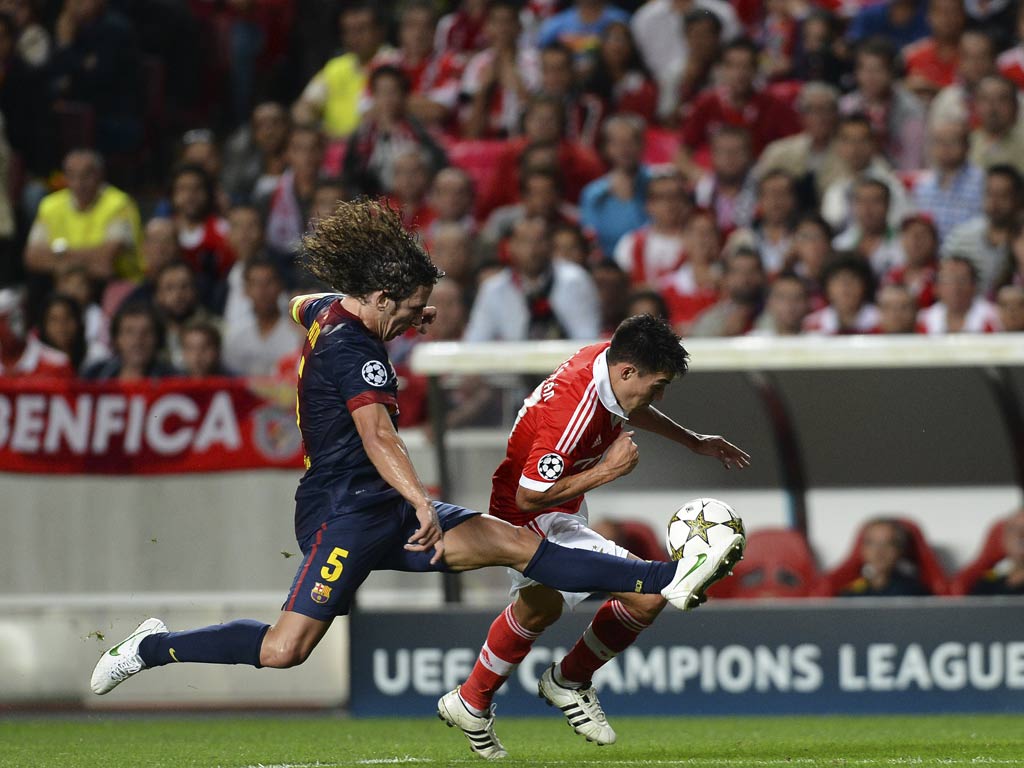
x=507, y=644
x=611, y=632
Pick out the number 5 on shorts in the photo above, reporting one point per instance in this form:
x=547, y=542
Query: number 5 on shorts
x=334, y=567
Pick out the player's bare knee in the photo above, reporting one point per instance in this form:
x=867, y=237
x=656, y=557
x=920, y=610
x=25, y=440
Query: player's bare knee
x=519, y=548
x=644, y=608
x=283, y=655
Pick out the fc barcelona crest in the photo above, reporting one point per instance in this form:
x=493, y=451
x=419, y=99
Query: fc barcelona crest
x=320, y=593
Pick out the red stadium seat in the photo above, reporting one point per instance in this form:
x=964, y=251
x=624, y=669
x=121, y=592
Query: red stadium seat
x=919, y=553
x=641, y=540
x=478, y=159
x=992, y=552
x=777, y=563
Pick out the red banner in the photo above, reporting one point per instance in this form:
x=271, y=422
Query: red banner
x=160, y=427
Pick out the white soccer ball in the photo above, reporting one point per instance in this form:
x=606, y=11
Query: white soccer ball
x=699, y=524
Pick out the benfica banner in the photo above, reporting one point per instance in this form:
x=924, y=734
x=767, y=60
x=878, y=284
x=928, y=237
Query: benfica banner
x=158, y=427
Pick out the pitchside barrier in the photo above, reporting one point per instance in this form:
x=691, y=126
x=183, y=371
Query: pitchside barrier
x=870, y=656
x=177, y=499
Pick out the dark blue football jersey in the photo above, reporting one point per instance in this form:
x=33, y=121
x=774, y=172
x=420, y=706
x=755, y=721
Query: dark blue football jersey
x=344, y=366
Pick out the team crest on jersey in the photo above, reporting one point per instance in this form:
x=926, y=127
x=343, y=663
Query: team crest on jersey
x=374, y=373
x=320, y=593
x=550, y=466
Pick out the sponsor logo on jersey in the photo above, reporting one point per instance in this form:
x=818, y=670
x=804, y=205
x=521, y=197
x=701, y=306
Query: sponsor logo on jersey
x=320, y=593
x=550, y=466
x=374, y=373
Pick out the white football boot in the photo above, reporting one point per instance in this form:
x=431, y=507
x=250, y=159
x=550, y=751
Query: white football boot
x=478, y=729
x=580, y=706
x=696, y=573
x=122, y=661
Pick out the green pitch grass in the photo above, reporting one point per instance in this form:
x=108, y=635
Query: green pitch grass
x=110, y=741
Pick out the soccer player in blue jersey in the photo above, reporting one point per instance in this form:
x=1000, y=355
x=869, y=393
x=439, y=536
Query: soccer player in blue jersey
x=360, y=505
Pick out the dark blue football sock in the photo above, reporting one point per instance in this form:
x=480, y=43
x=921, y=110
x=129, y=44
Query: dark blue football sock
x=237, y=642
x=582, y=570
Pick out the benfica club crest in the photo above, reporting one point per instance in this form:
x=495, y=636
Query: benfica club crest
x=320, y=593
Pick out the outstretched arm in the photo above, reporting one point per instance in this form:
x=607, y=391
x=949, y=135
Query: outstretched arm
x=388, y=453
x=653, y=420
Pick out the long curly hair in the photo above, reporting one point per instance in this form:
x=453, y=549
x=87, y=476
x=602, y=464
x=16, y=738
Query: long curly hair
x=363, y=247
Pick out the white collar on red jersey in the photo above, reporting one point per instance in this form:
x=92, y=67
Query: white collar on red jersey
x=603, y=382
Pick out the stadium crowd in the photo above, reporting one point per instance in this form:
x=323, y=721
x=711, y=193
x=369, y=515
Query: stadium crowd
x=767, y=167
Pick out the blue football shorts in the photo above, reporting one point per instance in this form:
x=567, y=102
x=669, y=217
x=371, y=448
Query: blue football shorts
x=347, y=547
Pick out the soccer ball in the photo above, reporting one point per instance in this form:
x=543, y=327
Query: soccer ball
x=699, y=524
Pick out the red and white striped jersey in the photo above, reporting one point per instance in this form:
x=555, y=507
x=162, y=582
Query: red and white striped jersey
x=563, y=428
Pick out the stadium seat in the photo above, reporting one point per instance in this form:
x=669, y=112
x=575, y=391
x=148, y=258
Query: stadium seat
x=992, y=552
x=639, y=539
x=478, y=158
x=777, y=563
x=919, y=553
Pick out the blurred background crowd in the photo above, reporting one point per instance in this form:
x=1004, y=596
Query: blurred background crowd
x=768, y=167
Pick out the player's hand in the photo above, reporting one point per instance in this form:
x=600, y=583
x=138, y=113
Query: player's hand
x=429, y=316
x=429, y=534
x=622, y=456
x=719, y=448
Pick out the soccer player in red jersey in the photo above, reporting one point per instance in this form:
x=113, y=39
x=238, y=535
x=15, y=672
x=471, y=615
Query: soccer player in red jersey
x=360, y=506
x=573, y=434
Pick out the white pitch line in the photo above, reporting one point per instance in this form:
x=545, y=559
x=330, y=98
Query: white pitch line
x=686, y=761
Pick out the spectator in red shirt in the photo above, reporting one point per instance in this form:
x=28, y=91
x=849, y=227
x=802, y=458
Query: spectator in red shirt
x=737, y=103
x=498, y=81
x=694, y=286
x=620, y=78
x=433, y=74
x=919, y=244
x=935, y=58
x=542, y=125
x=22, y=354
x=464, y=30
x=384, y=132
x=651, y=252
x=202, y=233
x=849, y=287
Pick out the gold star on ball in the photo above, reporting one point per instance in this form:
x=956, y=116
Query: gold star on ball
x=699, y=527
x=736, y=525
